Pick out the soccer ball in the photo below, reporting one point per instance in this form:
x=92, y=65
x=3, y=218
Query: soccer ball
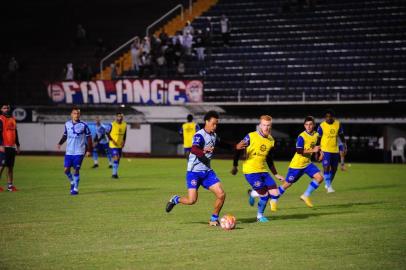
x=227, y=222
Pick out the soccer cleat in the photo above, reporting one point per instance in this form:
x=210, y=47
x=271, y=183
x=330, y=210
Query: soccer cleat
x=95, y=166
x=1, y=189
x=330, y=189
x=214, y=223
x=110, y=166
x=262, y=219
x=274, y=206
x=251, y=200
x=74, y=192
x=306, y=200
x=170, y=205
x=12, y=189
x=115, y=176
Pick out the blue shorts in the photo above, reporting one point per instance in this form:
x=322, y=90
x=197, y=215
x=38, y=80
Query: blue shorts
x=74, y=161
x=294, y=174
x=101, y=147
x=260, y=181
x=330, y=159
x=341, y=148
x=115, y=152
x=187, y=149
x=205, y=178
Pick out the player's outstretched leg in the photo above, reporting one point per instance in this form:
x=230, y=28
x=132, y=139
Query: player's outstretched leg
x=76, y=180
x=263, y=200
x=189, y=200
x=314, y=184
x=218, y=191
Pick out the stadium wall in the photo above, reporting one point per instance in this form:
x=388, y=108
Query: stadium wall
x=40, y=137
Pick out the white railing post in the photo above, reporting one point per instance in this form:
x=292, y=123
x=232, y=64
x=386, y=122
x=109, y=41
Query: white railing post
x=132, y=39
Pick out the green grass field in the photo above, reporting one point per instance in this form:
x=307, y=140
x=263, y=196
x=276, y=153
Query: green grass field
x=121, y=224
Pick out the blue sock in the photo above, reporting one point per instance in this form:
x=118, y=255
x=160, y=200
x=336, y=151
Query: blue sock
x=261, y=205
x=332, y=175
x=281, y=190
x=76, y=180
x=312, y=187
x=214, y=217
x=108, y=156
x=95, y=157
x=69, y=175
x=327, y=178
x=274, y=198
x=175, y=199
x=115, y=167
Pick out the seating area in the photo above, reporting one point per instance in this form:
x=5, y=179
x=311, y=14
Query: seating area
x=346, y=50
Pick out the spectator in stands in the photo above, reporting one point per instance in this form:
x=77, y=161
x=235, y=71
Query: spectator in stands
x=188, y=43
x=188, y=28
x=225, y=29
x=180, y=70
x=169, y=54
x=161, y=63
x=199, y=45
x=135, y=55
x=178, y=51
x=69, y=72
x=80, y=35
x=145, y=45
x=146, y=65
x=177, y=38
x=113, y=71
x=163, y=36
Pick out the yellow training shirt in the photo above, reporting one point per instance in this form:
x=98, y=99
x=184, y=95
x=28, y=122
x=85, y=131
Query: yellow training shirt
x=329, y=136
x=117, y=133
x=257, y=151
x=306, y=141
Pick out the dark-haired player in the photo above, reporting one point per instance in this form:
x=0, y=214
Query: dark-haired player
x=187, y=131
x=117, y=137
x=78, y=138
x=199, y=171
x=329, y=131
x=306, y=146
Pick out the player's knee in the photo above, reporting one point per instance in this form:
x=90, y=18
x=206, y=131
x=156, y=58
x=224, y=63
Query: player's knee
x=221, y=195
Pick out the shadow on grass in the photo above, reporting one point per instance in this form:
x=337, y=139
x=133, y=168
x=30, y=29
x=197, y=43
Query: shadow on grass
x=116, y=190
x=206, y=223
x=293, y=216
x=351, y=204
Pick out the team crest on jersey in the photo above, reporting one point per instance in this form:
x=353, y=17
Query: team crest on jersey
x=78, y=128
x=193, y=182
x=263, y=148
x=332, y=131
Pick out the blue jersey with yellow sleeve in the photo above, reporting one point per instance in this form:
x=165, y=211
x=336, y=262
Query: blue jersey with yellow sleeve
x=306, y=141
x=256, y=152
x=329, y=134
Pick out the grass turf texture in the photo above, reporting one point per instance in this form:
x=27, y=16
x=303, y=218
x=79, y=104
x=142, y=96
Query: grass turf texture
x=121, y=224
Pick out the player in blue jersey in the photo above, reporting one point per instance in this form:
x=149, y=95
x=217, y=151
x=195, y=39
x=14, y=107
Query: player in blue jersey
x=199, y=171
x=101, y=143
x=77, y=137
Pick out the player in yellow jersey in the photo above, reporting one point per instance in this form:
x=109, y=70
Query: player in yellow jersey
x=187, y=131
x=306, y=146
x=329, y=131
x=117, y=136
x=258, y=146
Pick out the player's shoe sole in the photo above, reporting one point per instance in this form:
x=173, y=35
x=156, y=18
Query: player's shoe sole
x=74, y=193
x=114, y=176
x=251, y=200
x=262, y=220
x=307, y=201
x=274, y=206
x=110, y=166
x=95, y=166
x=170, y=205
x=214, y=223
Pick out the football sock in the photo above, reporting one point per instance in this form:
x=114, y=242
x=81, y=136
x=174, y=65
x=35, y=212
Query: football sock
x=95, y=157
x=108, y=156
x=261, y=206
x=312, y=187
x=115, y=167
x=274, y=198
x=281, y=190
x=214, y=217
x=76, y=182
x=327, y=178
x=70, y=178
x=175, y=199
